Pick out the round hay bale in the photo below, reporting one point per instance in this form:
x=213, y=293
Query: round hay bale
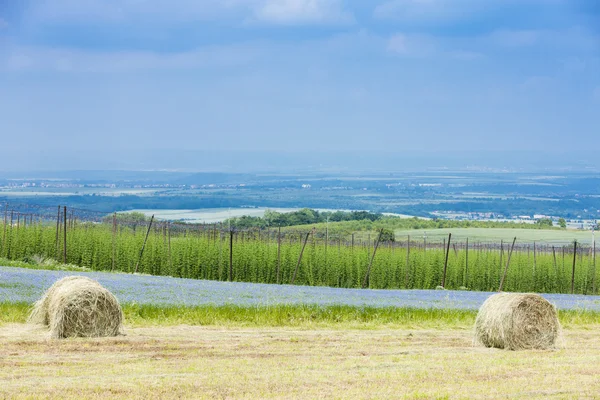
x=84, y=308
x=517, y=321
x=39, y=313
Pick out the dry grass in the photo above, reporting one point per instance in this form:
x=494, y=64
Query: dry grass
x=212, y=362
x=517, y=321
x=77, y=306
x=40, y=314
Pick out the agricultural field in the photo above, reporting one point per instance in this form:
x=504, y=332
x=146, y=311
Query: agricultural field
x=304, y=259
x=556, y=237
x=53, y=192
x=264, y=346
x=246, y=363
x=213, y=215
x=21, y=285
x=423, y=193
x=208, y=215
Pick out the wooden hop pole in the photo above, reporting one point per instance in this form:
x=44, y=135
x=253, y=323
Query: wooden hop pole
x=230, y=275
x=446, y=262
x=465, y=281
x=65, y=236
x=366, y=280
x=144, y=245
x=278, y=254
x=507, y=263
x=406, y=273
x=556, y=268
x=57, y=232
x=300, y=258
x=169, y=247
x=4, y=227
x=114, y=239
x=573, y=273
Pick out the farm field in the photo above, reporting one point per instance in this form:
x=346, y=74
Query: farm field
x=52, y=192
x=199, y=339
x=245, y=363
x=213, y=215
x=19, y=285
x=302, y=258
x=208, y=215
x=556, y=237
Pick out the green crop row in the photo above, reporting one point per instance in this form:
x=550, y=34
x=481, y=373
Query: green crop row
x=206, y=255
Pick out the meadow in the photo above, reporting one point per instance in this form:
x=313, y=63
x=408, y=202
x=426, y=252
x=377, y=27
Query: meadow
x=245, y=353
x=188, y=338
x=553, y=236
x=248, y=363
x=207, y=215
x=302, y=258
x=25, y=285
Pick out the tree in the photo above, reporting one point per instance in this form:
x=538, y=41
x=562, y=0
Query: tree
x=127, y=218
x=544, y=222
x=388, y=235
x=562, y=223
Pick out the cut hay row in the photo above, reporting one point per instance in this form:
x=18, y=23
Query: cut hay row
x=77, y=306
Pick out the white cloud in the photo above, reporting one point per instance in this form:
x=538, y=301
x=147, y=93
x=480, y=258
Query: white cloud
x=570, y=42
x=516, y=38
x=68, y=10
x=268, y=11
x=160, y=11
x=411, y=45
x=466, y=55
x=302, y=11
x=574, y=64
x=537, y=83
x=415, y=11
x=596, y=94
x=71, y=60
x=426, y=10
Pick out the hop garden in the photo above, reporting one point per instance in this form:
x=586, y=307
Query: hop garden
x=301, y=257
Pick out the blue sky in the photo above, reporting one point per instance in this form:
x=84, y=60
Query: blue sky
x=387, y=75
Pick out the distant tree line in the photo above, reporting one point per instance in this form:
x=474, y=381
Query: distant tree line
x=344, y=222
x=305, y=216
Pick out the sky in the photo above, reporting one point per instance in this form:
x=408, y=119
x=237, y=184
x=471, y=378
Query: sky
x=101, y=78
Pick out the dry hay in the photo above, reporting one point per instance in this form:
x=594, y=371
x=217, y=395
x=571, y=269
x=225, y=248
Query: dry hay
x=77, y=306
x=39, y=314
x=517, y=321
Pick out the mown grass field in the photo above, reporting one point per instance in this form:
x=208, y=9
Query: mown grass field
x=293, y=351
x=183, y=361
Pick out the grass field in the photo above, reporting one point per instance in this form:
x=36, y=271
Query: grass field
x=209, y=215
x=497, y=234
x=185, y=361
x=44, y=192
x=304, y=316
x=293, y=351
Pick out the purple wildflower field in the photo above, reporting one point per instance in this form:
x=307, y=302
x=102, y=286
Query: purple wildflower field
x=27, y=285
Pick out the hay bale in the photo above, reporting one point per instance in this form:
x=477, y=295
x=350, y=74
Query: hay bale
x=79, y=307
x=517, y=321
x=39, y=313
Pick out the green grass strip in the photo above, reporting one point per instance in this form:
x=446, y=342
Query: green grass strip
x=46, y=264
x=300, y=316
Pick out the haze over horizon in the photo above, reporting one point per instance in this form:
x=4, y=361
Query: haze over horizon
x=97, y=84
